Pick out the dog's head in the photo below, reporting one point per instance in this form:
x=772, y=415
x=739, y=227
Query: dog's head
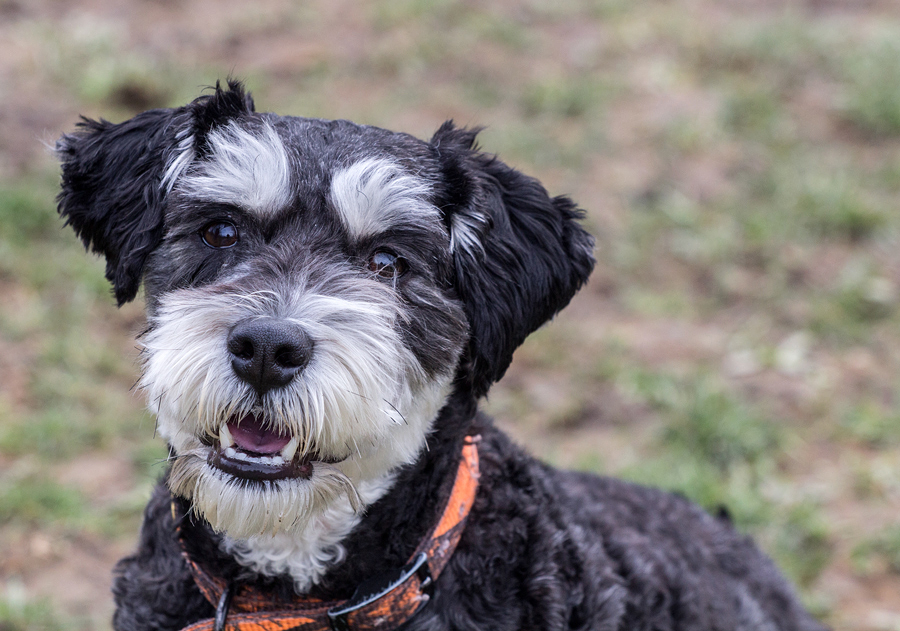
x=315, y=290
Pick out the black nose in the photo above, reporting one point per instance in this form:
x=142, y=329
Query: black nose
x=268, y=352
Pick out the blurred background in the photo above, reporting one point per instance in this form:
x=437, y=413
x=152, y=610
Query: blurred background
x=739, y=340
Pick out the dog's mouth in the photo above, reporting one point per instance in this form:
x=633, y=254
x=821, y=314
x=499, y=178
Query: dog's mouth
x=247, y=448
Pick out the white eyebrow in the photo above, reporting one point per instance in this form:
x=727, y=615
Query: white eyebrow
x=374, y=194
x=248, y=169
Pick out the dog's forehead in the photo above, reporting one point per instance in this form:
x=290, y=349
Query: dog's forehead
x=266, y=164
x=335, y=143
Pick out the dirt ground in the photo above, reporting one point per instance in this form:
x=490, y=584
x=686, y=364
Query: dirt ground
x=372, y=64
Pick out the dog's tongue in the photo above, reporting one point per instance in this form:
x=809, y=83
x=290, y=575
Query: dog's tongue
x=250, y=435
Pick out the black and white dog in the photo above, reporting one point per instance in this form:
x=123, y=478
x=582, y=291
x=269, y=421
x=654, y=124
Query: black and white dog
x=326, y=304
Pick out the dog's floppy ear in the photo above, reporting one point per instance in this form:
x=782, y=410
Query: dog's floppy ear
x=111, y=193
x=519, y=254
x=115, y=178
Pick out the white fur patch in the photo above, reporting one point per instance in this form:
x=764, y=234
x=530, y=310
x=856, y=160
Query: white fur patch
x=249, y=169
x=306, y=558
x=373, y=195
x=467, y=232
x=180, y=159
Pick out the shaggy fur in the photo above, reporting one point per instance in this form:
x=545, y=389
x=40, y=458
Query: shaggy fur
x=326, y=304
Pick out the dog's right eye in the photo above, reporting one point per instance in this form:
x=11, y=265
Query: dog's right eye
x=219, y=234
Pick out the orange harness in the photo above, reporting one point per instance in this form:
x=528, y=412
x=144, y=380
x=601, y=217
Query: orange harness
x=382, y=603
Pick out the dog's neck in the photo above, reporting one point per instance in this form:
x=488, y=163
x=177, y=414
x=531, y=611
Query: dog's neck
x=306, y=556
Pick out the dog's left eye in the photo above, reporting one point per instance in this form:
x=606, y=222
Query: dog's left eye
x=387, y=264
x=219, y=234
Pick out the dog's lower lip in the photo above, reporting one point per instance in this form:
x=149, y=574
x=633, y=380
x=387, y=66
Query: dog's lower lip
x=251, y=467
x=255, y=469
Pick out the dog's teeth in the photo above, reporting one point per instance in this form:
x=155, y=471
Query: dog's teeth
x=225, y=439
x=278, y=461
x=230, y=452
x=290, y=449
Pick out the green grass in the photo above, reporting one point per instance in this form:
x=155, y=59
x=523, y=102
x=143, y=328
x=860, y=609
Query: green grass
x=19, y=613
x=883, y=547
x=704, y=420
x=35, y=499
x=752, y=111
x=872, y=84
x=873, y=423
x=719, y=452
x=568, y=97
x=739, y=168
x=75, y=375
x=802, y=541
x=26, y=213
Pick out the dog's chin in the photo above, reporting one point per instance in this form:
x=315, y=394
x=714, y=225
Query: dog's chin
x=243, y=507
x=266, y=487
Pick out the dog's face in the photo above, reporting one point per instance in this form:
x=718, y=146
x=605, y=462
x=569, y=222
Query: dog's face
x=315, y=291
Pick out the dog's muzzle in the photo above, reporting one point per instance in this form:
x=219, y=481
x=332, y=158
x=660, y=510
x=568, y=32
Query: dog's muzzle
x=266, y=353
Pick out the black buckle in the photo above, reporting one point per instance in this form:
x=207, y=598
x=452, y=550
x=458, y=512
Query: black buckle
x=377, y=587
x=222, y=608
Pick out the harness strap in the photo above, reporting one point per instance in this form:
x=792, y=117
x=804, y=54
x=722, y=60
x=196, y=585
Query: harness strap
x=381, y=603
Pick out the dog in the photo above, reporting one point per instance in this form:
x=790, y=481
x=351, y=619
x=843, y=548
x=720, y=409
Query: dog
x=326, y=304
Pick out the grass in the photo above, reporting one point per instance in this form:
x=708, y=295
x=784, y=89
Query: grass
x=873, y=423
x=872, y=99
x=19, y=613
x=705, y=421
x=721, y=453
x=882, y=549
x=35, y=499
x=739, y=169
x=61, y=300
